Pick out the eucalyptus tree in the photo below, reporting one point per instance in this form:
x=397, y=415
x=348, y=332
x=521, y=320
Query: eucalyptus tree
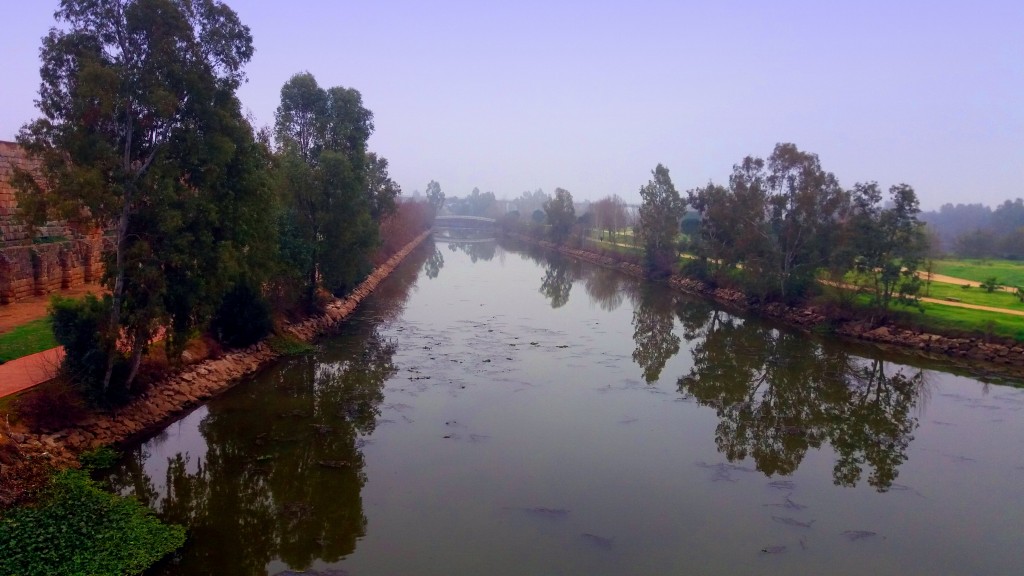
x=141, y=133
x=561, y=215
x=323, y=180
x=887, y=243
x=660, y=213
x=435, y=197
x=779, y=219
x=382, y=191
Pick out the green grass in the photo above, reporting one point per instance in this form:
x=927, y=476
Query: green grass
x=26, y=339
x=1007, y=272
x=976, y=322
x=979, y=296
x=939, y=318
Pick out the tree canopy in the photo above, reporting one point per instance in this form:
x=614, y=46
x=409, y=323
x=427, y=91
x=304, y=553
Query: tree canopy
x=660, y=214
x=561, y=215
x=141, y=131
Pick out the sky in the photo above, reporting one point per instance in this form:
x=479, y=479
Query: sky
x=591, y=96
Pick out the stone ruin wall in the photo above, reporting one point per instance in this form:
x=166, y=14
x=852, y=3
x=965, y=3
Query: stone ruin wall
x=59, y=258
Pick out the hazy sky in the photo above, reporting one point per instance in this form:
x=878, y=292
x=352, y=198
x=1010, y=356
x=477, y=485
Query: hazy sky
x=590, y=96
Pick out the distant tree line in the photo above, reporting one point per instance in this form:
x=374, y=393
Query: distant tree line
x=215, y=226
x=978, y=231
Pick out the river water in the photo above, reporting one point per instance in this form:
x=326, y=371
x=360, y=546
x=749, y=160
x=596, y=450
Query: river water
x=500, y=410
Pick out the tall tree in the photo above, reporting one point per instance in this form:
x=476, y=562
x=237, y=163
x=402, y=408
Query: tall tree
x=382, y=191
x=660, y=214
x=561, y=215
x=804, y=205
x=435, y=197
x=322, y=136
x=610, y=214
x=137, y=98
x=888, y=243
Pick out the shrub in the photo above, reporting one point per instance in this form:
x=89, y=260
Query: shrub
x=98, y=459
x=51, y=407
x=80, y=327
x=80, y=529
x=990, y=284
x=243, y=317
x=287, y=345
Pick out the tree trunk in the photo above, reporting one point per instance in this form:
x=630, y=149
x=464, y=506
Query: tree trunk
x=118, y=293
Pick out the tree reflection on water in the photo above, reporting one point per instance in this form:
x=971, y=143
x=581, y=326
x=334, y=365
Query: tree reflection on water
x=778, y=394
x=281, y=458
x=290, y=471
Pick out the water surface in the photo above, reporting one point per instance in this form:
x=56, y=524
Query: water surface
x=498, y=410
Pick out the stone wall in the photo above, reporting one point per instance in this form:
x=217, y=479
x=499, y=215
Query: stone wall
x=55, y=257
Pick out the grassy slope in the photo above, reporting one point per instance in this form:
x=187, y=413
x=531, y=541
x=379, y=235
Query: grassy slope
x=26, y=339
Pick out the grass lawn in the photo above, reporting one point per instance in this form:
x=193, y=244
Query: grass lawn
x=1007, y=272
x=978, y=322
x=998, y=299
x=26, y=339
x=938, y=317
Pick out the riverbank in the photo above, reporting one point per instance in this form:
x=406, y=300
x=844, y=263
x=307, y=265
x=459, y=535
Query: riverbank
x=985, y=355
x=26, y=458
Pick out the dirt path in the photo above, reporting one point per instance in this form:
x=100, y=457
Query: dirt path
x=26, y=372
x=29, y=309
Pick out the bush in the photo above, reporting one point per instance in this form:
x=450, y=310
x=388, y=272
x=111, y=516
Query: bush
x=80, y=529
x=51, y=407
x=100, y=458
x=287, y=345
x=80, y=327
x=243, y=317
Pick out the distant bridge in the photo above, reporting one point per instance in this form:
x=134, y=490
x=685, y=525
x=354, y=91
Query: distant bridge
x=456, y=221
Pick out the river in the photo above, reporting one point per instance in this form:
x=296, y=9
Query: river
x=495, y=409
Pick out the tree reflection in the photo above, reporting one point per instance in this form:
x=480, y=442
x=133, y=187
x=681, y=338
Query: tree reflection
x=606, y=287
x=777, y=395
x=480, y=250
x=283, y=469
x=557, y=282
x=653, y=324
x=433, y=264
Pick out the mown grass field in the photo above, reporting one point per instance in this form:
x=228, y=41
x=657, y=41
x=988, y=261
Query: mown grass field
x=949, y=319
x=26, y=339
x=975, y=322
x=997, y=299
x=1006, y=272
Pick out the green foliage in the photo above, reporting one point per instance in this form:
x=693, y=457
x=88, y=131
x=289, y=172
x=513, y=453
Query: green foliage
x=26, y=339
x=80, y=529
x=81, y=327
x=323, y=179
x=287, y=345
x=660, y=214
x=142, y=131
x=991, y=284
x=243, y=317
x=560, y=214
x=100, y=458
